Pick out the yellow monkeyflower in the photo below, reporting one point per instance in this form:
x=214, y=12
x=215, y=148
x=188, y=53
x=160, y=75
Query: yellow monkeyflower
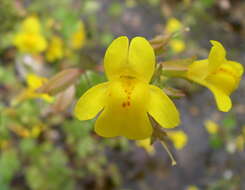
x=240, y=142
x=146, y=144
x=127, y=98
x=30, y=43
x=31, y=25
x=78, y=38
x=177, y=45
x=55, y=49
x=173, y=25
x=192, y=187
x=25, y=132
x=218, y=74
x=179, y=138
x=4, y=144
x=211, y=127
x=34, y=82
x=30, y=39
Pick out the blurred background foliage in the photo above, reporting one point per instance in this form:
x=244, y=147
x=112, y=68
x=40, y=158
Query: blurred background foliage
x=43, y=147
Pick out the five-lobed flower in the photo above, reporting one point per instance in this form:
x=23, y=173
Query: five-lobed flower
x=30, y=39
x=34, y=82
x=127, y=99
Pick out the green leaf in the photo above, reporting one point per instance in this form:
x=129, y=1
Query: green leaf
x=216, y=141
x=208, y=3
x=115, y=9
x=87, y=80
x=9, y=164
x=229, y=122
x=50, y=171
x=85, y=147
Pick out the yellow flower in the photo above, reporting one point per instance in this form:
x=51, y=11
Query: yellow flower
x=31, y=25
x=25, y=132
x=36, y=130
x=173, y=25
x=240, y=142
x=177, y=45
x=30, y=39
x=192, y=187
x=218, y=74
x=211, y=127
x=4, y=144
x=55, y=49
x=146, y=144
x=78, y=38
x=19, y=130
x=30, y=43
x=243, y=130
x=34, y=82
x=179, y=139
x=127, y=98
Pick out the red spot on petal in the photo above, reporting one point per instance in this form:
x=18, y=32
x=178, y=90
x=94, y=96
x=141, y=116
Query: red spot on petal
x=124, y=104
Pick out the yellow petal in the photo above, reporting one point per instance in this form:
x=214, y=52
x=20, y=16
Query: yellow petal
x=237, y=67
x=116, y=57
x=31, y=25
x=223, y=101
x=141, y=59
x=216, y=56
x=125, y=113
x=136, y=61
x=30, y=43
x=46, y=97
x=177, y=45
x=162, y=109
x=226, y=77
x=35, y=81
x=78, y=38
x=198, y=70
x=223, y=81
x=179, y=138
x=146, y=144
x=91, y=102
x=211, y=127
x=173, y=25
x=133, y=125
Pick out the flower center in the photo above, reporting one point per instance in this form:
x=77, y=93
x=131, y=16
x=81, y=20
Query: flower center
x=128, y=84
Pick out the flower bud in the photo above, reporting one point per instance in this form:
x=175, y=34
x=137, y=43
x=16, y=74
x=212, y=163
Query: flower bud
x=64, y=99
x=160, y=42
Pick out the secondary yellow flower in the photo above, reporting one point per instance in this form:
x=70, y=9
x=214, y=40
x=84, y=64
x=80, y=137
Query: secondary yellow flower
x=218, y=74
x=34, y=82
x=30, y=39
x=243, y=130
x=177, y=45
x=146, y=144
x=4, y=144
x=127, y=98
x=179, y=139
x=25, y=132
x=240, y=142
x=211, y=127
x=192, y=187
x=31, y=25
x=78, y=38
x=55, y=49
x=173, y=25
